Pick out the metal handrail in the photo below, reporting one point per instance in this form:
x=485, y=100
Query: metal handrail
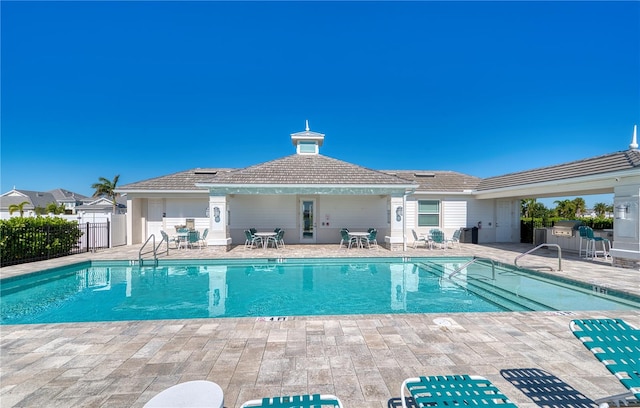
x=152, y=237
x=515, y=261
x=160, y=244
x=475, y=258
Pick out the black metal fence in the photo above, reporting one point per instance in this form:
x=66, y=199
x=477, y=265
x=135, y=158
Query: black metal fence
x=95, y=235
x=37, y=243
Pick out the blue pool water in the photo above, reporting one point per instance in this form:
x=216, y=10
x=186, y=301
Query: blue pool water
x=114, y=291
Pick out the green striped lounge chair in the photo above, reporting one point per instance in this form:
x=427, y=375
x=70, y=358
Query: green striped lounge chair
x=616, y=344
x=453, y=390
x=296, y=401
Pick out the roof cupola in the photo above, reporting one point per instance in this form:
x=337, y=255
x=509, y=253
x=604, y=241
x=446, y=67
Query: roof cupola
x=307, y=142
x=634, y=140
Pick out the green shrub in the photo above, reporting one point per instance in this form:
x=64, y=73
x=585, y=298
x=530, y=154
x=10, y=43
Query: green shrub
x=24, y=239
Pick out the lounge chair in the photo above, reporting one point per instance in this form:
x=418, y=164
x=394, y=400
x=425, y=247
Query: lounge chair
x=452, y=391
x=616, y=344
x=417, y=240
x=296, y=401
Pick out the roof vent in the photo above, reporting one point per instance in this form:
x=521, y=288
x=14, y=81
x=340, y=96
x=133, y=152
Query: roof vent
x=424, y=174
x=209, y=172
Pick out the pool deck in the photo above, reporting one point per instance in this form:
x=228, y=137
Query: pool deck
x=363, y=359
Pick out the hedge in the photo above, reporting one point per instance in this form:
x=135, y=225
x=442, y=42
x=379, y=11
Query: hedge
x=25, y=239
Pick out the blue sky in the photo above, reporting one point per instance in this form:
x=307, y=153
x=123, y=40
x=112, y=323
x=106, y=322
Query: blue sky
x=144, y=89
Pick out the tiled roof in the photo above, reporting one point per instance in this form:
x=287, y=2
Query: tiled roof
x=448, y=181
x=184, y=180
x=62, y=195
x=306, y=169
x=624, y=160
x=36, y=199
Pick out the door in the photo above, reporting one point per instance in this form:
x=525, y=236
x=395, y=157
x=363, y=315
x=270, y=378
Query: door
x=154, y=218
x=503, y=221
x=307, y=221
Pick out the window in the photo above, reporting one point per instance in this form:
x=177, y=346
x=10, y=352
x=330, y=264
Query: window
x=306, y=147
x=429, y=213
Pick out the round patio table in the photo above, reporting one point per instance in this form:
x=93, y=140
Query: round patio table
x=192, y=394
x=265, y=237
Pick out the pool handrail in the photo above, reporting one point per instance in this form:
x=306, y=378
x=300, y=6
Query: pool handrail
x=515, y=261
x=475, y=258
x=151, y=238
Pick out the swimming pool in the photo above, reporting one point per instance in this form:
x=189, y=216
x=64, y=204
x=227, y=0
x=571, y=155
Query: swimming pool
x=279, y=288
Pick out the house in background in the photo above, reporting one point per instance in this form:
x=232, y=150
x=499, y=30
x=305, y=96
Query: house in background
x=102, y=205
x=74, y=203
x=312, y=197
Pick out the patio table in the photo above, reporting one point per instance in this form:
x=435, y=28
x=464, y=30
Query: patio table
x=190, y=394
x=182, y=238
x=359, y=236
x=265, y=237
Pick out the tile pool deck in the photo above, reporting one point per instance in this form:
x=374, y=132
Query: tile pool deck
x=363, y=359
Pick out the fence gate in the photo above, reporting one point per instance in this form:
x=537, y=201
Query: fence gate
x=95, y=235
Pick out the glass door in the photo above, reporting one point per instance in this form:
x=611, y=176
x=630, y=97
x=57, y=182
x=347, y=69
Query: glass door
x=307, y=223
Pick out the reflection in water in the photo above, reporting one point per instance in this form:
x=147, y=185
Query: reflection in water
x=307, y=278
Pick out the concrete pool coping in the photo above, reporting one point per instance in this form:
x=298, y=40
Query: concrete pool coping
x=362, y=358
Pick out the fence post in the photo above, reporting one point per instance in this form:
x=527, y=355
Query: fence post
x=88, y=237
x=108, y=233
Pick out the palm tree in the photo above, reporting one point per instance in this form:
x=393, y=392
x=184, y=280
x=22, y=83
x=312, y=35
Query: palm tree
x=600, y=209
x=581, y=206
x=526, y=207
x=18, y=207
x=565, y=208
x=107, y=188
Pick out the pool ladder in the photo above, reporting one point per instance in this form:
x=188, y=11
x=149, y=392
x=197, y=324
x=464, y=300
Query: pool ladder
x=515, y=261
x=154, y=250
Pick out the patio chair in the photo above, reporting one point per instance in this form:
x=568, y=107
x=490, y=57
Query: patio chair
x=296, y=401
x=437, y=237
x=276, y=239
x=452, y=391
x=417, y=240
x=183, y=237
x=455, y=239
x=203, y=239
x=193, y=239
x=616, y=344
x=251, y=240
x=371, y=239
x=347, y=240
x=169, y=239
